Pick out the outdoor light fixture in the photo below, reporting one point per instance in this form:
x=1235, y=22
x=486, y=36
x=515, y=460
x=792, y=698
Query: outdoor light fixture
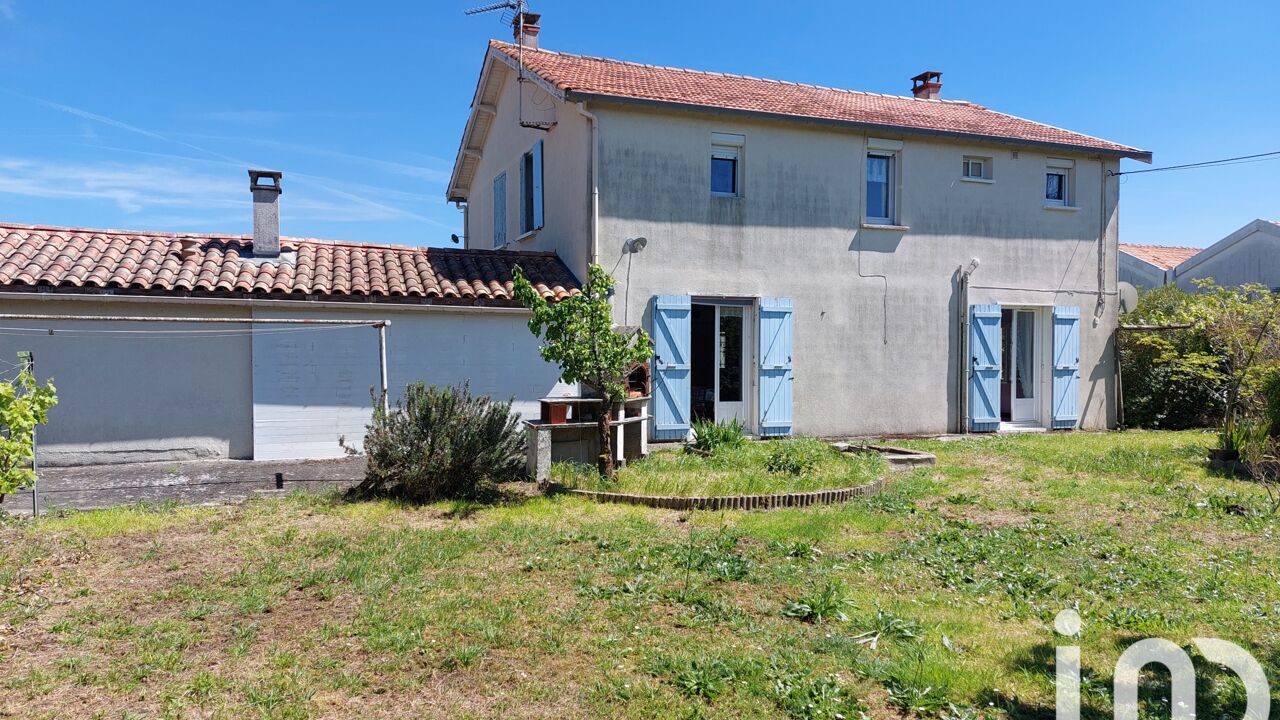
x=634, y=245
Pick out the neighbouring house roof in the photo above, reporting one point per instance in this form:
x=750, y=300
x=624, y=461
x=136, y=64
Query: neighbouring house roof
x=33, y=257
x=1165, y=257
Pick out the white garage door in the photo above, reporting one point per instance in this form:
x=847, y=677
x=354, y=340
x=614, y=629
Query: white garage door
x=311, y=389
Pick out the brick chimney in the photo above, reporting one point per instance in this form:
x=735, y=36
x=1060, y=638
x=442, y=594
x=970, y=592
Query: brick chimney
x=529, y=36
x=927, y=85
x=265, y=186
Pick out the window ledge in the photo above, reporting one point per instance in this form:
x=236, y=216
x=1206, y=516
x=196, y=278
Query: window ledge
x=984, y=181
x=527, y=235
x=726, y=196
x=884, y=226
x=1063, y=208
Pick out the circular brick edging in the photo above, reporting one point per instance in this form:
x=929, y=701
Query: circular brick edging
x=728, y=502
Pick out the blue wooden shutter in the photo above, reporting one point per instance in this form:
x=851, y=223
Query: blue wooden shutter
x=524, y=199
x=672, y=320
x=984, y=371
x=775, y=366
x=1066, y=367
x=537, y=185
x=500, y=210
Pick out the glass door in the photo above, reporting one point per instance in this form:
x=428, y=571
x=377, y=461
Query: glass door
x=1026, y=353
x=731, y=358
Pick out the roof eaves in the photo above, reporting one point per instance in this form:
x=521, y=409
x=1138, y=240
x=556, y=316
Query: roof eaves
x=571, y=95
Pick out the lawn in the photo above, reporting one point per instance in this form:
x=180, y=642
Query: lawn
x=936, y=597
x=731, y=471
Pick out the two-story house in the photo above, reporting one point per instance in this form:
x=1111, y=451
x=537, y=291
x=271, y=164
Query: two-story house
x=816, y=260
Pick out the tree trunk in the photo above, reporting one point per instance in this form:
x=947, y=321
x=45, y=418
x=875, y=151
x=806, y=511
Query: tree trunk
x=604, y=463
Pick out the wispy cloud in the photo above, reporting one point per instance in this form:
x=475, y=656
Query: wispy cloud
x=172, y=192
x=373, y=208
x=434, y=175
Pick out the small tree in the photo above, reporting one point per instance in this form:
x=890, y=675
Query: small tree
x=24, y=404
x=578, y=335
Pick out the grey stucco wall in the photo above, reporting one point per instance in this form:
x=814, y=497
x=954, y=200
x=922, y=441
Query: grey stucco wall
x=876, y=310
x=566, y=176
x=1249, y=256
x=147, y=394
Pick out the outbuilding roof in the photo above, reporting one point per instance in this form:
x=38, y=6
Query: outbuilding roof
x=1165, y=257
x=177, y=264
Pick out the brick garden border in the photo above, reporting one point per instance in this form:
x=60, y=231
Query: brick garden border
x=728, y=502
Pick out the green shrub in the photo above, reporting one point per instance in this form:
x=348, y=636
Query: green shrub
x=1158, y=393
x=711, y=437
x=797, y=456
x=441, y=443
x=1271, y=397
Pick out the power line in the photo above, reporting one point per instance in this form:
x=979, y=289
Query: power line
x=1207, y=163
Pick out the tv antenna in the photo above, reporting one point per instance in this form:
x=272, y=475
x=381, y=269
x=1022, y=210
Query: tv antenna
x=515, y=13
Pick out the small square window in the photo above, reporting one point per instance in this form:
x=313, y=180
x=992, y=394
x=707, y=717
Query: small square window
x=1055, y=186
x=976, y=168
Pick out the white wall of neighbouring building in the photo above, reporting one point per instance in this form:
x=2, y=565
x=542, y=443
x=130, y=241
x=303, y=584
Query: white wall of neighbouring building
x=176, y=391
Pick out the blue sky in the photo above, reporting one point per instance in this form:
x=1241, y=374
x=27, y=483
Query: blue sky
x=145, y=115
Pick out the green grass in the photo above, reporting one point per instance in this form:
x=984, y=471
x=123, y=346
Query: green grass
x=742, y=470
x=935, y=598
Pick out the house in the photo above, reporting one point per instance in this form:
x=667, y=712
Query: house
x=1248, y=255
x=1150, y=266
x=137, y=391
x=816, y=260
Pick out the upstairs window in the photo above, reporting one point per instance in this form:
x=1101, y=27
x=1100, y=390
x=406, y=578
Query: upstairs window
x=726, y=164
x=881, y=184
x=976, y=168
x=531, y=189
x=1057, y=183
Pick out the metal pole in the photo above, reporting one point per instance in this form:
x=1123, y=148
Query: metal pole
x=382, y=362
x=29, y=366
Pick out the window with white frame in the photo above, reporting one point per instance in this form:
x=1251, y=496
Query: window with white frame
x=1057, y=183
x=881, y=187
x=976, y=168
x=726, y=164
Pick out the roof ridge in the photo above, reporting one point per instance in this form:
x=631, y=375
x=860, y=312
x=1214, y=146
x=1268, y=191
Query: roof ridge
x=737, y=76
x=1165, y=247
x=67, y=229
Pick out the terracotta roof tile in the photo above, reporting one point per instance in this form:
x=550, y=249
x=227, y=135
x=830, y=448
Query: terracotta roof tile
x=33, y=255
x=1164, y=257
x=582, y=75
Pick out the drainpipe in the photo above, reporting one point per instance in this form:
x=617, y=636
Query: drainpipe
x=962, y=356
x=593, y=256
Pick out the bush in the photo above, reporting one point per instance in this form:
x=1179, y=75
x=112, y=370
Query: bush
x=1158, y=393
x=797, y=456
x=710, y=437
x=441, y=443
x=1271, y=397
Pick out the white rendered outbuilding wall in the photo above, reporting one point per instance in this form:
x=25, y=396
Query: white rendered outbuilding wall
x=151, y=396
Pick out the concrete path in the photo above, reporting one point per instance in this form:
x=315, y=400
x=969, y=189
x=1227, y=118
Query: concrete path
x=199, y=482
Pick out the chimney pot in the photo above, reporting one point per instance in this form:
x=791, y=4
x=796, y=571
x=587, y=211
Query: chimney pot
x=927, y=85
x=526, y=33
x=265, y=186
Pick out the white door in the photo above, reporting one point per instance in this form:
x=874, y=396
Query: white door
x=732, y=341
x=1026, y=363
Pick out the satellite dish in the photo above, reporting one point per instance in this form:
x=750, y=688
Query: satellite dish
x=1128, y=297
